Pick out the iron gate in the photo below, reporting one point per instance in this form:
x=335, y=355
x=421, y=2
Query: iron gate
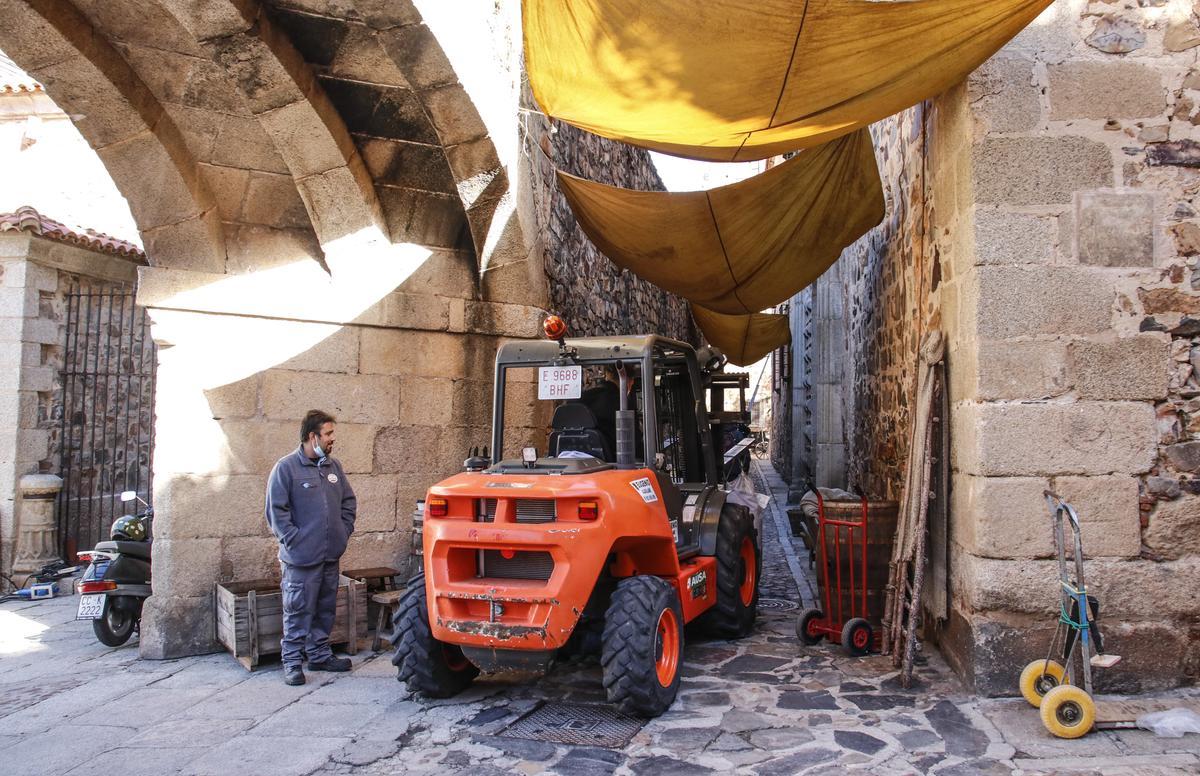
x=106, y=436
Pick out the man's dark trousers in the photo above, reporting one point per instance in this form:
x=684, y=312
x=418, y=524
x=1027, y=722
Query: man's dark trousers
x=309, y=598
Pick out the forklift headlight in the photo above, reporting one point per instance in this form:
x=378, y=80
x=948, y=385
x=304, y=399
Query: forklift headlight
x=437, y=507
x=589, y=510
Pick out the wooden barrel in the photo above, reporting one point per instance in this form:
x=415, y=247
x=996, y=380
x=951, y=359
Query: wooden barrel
x=880, y=534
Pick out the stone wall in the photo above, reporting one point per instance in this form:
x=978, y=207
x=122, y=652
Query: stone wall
x=1043, y=215
x=35, y=274
x=1079, y=375
x=886, y=280
x=592, y=294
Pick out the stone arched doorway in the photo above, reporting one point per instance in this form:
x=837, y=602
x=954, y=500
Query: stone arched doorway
x=315, y=190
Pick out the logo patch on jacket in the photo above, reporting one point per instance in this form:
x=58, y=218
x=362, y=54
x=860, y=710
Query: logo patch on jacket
x=332, y=477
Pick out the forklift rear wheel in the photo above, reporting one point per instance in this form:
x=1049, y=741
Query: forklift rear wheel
x=856, y=637
x=1068, y=711
x=643, y=646
x=806, y=627
x=428, y=666
x=739, y=565
x=1039, y=678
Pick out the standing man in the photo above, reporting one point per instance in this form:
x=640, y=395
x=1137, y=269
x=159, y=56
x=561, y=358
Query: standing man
x=311, y=509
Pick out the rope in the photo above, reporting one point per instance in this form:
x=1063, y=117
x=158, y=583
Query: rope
x=1065, y=619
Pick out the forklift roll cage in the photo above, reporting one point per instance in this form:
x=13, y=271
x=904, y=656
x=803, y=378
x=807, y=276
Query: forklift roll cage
x=647, y=351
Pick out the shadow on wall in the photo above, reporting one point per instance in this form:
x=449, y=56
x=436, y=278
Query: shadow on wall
x=232, y=389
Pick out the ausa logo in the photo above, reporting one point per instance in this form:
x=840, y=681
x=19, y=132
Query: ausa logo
x=698, y=585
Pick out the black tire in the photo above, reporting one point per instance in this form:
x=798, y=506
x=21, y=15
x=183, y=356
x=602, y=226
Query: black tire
x=804, y=625
x=732, y=617
x=857, y=635
x=633, y=651
x=428, y=666
x=117, y=624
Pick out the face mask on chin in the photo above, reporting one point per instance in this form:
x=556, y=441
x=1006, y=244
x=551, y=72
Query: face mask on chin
x=318, y=449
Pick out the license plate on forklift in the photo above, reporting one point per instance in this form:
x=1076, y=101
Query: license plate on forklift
x=91, y=607
x=560, y=382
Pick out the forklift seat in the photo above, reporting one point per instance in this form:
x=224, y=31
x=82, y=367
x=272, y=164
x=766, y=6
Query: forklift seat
x=575, y=429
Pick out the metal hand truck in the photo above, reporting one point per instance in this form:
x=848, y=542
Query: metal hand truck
x=850, y=628
x=1068, y=709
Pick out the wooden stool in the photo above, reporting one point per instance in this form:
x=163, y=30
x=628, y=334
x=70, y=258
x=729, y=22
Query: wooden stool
x=387, y=601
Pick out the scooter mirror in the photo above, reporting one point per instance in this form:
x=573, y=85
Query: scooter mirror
x=128, y=495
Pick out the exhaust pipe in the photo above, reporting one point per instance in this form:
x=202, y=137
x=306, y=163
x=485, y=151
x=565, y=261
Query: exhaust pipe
x=626, y=424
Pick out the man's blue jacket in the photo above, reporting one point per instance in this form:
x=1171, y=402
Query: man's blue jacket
x=310, y=508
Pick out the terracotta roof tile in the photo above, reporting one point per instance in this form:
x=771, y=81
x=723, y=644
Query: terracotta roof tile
x=14, y=80
x=26, y=219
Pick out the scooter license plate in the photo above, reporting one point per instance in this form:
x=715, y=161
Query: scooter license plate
x=91, y=607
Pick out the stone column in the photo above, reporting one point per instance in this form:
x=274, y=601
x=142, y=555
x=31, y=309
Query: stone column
x=829, y=331
x=37, y=537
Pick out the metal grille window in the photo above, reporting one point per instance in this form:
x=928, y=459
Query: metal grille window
x=516, y=564
x=107, y=434
x=528, y=510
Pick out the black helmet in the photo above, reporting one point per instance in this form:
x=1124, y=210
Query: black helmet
x=128, y=528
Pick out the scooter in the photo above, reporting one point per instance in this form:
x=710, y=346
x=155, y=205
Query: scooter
x=117, y=580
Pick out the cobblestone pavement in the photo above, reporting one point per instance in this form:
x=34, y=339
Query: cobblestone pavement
x=764, y=705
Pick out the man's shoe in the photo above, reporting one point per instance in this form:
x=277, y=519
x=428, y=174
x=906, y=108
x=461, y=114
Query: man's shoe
x=293, y=675
x=335, y=664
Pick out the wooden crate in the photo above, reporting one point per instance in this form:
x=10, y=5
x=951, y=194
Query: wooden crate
x=249, y=618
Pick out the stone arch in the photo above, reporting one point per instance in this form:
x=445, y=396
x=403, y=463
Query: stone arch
x=480, y=178
x=282, y=92
x=318, y=73
x=138, y=142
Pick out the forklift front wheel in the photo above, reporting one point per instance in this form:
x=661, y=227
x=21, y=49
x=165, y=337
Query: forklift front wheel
x=739, y=565
x=1039, y=678
x=1068, y=711
x=856, y=637
x=807, y=627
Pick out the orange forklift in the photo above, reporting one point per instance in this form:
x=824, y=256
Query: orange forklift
x=593, y=544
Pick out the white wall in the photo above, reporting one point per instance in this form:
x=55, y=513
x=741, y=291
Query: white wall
x=45, y=163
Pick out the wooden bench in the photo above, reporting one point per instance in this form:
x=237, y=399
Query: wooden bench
x=375, y=578
x=386, y=600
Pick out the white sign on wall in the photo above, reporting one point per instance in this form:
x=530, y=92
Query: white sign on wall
x=560, y=382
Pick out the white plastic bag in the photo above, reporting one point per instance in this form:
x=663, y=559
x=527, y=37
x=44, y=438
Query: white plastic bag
x=741, y=491
x=1172, y=723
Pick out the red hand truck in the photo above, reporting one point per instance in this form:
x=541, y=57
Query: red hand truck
x=851, y=627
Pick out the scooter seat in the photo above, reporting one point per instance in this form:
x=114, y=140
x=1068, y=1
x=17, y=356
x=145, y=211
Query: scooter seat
x=132, y=549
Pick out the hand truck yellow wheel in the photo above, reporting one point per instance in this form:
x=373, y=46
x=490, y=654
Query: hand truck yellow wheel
x=1068, y=711
x=1039, y=678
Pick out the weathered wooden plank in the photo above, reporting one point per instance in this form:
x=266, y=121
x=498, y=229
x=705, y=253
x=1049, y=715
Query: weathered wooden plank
x=252, y=608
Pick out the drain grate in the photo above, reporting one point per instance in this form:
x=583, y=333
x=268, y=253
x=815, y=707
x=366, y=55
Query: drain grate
x=777, y=605
x=577, y=724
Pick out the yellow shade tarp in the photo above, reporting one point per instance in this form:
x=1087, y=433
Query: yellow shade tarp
x=736, y=81
x=741, y=248
x=744, y=339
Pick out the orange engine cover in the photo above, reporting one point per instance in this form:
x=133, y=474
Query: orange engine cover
x=512, y=565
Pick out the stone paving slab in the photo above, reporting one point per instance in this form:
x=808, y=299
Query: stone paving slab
x=127, y=761
x=764, y=705
x=62, y=748
x=253, y=755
